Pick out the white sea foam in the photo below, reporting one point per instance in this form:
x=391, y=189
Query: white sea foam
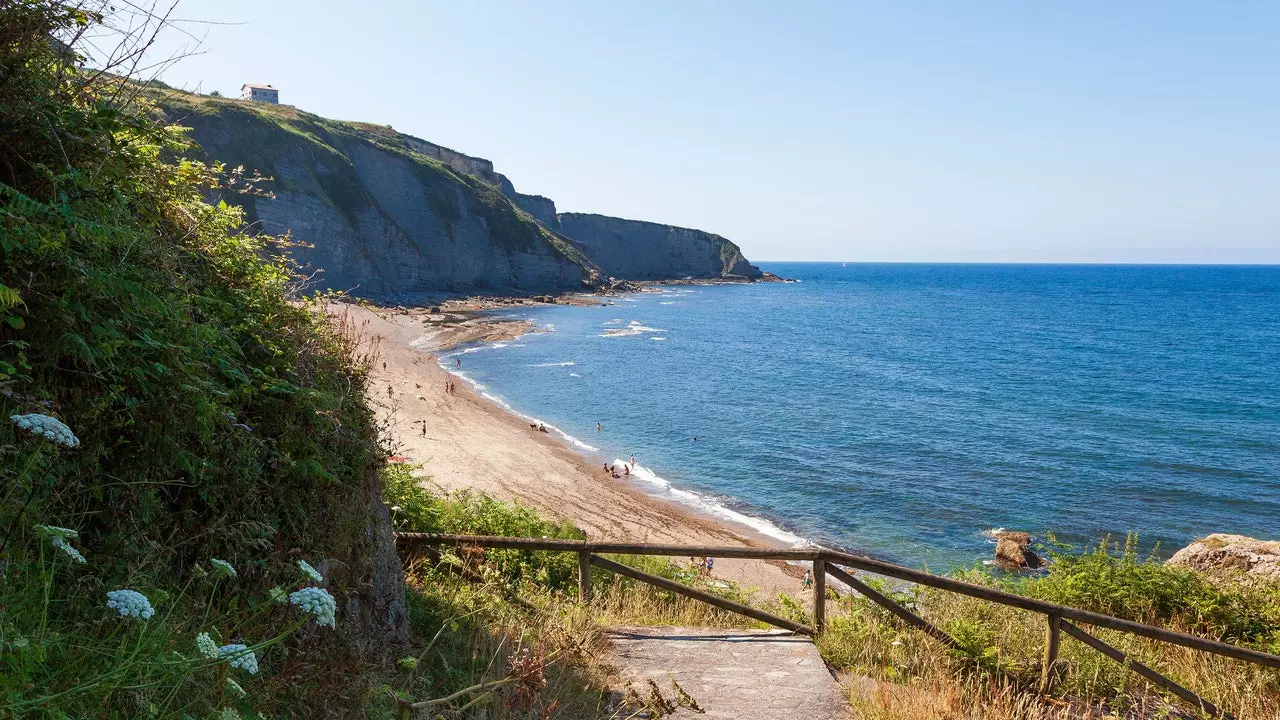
x=668, y=302
x=496, y=400
x=709, y=506
x=558, y=364
x=635, y=327
x=657, y=338
x=574, y=375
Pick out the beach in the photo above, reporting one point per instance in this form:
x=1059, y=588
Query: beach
x=470, y=442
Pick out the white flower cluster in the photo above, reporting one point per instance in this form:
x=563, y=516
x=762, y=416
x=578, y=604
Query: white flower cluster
x=240, y=656
x=234, y=688
x=278, y=595
x=130, y=603
x=318, y=602
x=222, y=568
x=60, y=538
x=206, y=646
x=311, y=573
x=49, y=428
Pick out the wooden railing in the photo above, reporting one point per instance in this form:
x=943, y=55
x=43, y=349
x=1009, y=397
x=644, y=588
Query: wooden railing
x=830, y=562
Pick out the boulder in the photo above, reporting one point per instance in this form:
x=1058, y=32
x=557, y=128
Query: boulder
x=1233, y=557
x=1013, y=551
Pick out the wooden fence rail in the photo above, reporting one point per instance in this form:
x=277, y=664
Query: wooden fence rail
x=830, y=562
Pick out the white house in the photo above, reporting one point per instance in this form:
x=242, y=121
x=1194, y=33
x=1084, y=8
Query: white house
x=260, y=93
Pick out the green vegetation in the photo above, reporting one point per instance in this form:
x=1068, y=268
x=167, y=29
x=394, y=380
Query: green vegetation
x=214, y=418
x=1000, y=665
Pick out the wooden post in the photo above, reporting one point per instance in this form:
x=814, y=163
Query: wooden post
x=819, y=595
x=1052, y=633
x=584, y=576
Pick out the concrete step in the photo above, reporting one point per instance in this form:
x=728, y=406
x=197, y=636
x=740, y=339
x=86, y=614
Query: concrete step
x=741, y=674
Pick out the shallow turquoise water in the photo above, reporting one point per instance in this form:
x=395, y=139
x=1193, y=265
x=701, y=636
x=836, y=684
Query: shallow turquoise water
x=903, y=410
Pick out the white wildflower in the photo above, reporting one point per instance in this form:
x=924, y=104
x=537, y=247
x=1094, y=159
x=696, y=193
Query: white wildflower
x=222, y=567
x=130, y=603
x=312, y=574
x=235, y=688
x=278, y=595
x=318, y=602
x=240, y=656
x=226, y=714
x=49, y=428
x=59, y=537
x=206, y=646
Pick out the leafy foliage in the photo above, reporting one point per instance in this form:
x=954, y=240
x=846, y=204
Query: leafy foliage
x=216, y=417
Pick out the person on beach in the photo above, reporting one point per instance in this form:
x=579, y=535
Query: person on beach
x=457, y=362
x=424, y=427
x=710, y=564
x=808, y=579
x=626, y=469
x=390, y=391
x=633, y=461
x=597, y=427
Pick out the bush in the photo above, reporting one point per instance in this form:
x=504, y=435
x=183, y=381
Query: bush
x=214, y=417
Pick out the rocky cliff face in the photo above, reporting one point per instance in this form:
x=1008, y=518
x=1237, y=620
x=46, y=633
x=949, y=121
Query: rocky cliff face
x=379, y=218
x=393, y=217
x=637, y=250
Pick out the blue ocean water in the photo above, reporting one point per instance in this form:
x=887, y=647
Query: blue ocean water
x=902, y=410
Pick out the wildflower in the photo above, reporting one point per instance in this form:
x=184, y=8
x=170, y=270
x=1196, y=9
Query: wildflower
x=206, y=646
x=408, y=662
x=222, y=568
x=318, y=602
x=49, y=428
x=130, y=603
x=59, y=537
x=235, y=688
x=312, y=574
x=226, y=714
x=240, y=656
x=278, y=595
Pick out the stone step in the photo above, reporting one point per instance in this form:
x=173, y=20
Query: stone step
x=741, y=674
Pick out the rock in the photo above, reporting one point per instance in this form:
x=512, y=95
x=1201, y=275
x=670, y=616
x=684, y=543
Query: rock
x=639, y=250
x=1232, y=557
x=1013, y=551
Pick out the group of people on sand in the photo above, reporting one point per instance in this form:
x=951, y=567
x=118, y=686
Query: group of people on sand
x=539, y=427
x=704, y=566
x=626, y=468
x=449, y=386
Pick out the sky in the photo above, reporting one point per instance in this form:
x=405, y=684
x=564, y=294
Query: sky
x=994, y=131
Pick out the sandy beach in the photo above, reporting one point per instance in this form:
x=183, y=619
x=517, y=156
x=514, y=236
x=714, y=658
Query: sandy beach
x=463, y=440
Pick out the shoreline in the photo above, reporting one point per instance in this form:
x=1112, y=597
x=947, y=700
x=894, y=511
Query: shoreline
x=468, y=440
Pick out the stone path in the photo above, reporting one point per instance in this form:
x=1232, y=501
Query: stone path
x=741, y=674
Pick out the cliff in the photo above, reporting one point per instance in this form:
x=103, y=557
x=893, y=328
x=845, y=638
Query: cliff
x=384, y=215
x=390, y=216
x=638, y=250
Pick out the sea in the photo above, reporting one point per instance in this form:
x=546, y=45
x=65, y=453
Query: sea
x=907, y=411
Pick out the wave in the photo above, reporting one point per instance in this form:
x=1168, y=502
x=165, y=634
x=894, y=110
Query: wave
x=635, y=327
x=574, y=375
x=657, y=338
x=570, y=363
x=709, y=506
x=484, y=392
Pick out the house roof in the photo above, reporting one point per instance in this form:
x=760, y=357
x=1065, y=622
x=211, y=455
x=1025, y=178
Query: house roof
x=256, y=87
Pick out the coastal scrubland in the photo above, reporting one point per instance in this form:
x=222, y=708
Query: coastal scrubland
x=192, y=482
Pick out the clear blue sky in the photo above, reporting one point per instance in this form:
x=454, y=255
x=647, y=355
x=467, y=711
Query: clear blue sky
x=917, y=131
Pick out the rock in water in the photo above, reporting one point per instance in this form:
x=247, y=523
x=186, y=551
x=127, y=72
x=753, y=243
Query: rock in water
x=1013, y=552
x=1232, y=557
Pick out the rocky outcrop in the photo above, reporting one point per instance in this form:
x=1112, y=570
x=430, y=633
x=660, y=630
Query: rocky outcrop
x=1232, y=557
x=638, y=250
x=1013, y=551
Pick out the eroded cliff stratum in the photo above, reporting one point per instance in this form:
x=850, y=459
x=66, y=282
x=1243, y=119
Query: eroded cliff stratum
x=389, y=216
